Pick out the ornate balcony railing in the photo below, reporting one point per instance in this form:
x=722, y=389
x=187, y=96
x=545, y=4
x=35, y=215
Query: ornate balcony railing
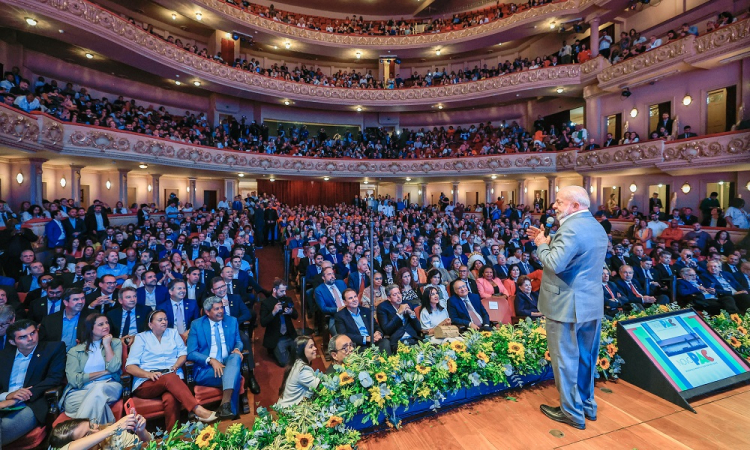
x=33, y=133
x=109, y=26
x=246, y=18
x=677, y=55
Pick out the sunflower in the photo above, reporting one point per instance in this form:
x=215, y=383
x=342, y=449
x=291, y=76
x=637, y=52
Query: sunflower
x=422, y=369
x=345, y=378
x=381, y=377
x=483, y=356
x=458, y=346
x=604, y=363
x=547, y=356
x=736, y=319
x=334, y=421
x=742, y=330
x=735, y=343
x=540, y=330
x=515, y=347
x=205, y=437
x=451, y=365
x=614, y=324
x=486, y=333
x=303, y=441
x=663, y=308
x=343, y=447
x=611, y=350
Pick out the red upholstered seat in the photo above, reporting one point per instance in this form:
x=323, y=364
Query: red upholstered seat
x=206, y=394
x=117, y=410
x=149, y=408
x=32, y=440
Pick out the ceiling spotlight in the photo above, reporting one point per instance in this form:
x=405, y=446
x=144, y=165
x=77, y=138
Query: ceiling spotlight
x=197, y=83
x=440, y=106
x=367, y=182
x=177, y=82
x=174, y=16
x=437, y=52
x=560, y=90
x=326, y=178
x=626, y=93
x=287, y=103
x=31, y=21
x=288, y=45
x=241, y=175
x=687, y=100
x=61, y=31
x=359, y=109
x=143, y=166
x=552, y=26
x=499, y=44
x=89, y=56
x=358, y=55
x=272, y=179
x=494, y=177
x=275, y=47
x=198, y=16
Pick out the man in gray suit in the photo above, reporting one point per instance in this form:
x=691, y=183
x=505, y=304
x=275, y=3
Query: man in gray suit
x=571, y=300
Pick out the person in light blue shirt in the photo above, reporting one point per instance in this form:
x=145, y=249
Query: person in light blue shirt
x=113, y=267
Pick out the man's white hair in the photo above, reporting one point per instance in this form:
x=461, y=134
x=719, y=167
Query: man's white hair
x=576, y=194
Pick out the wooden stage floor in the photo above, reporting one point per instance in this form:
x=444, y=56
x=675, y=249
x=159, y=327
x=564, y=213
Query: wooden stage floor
x=628, y=418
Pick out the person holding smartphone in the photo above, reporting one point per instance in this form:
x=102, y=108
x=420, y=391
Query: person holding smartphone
x=277, y=315
x=82, y=434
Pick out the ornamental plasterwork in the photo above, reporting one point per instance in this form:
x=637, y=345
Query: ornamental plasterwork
x=658, y=55
x=722, y=36
x=92, y=14
x=100, y=140
x=52, y=131
x=636, y=153
x=593, y=158
x=411, y=41
x=692, y=150
x=19, y=127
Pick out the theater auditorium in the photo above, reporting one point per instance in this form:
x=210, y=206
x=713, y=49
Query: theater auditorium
x=337, y=225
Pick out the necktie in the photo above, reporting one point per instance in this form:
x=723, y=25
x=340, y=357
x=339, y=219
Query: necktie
x=334, y=259
x=635, y=291
x=669, y=271
x=468, y=286
x=337, y=296
x=26, y=270
x=51, y=307
x=179, y=319
x=217, y=340
x=361, y=284
x=282, y=328
x=126, y=326
x=611, y=294
x=476, y=320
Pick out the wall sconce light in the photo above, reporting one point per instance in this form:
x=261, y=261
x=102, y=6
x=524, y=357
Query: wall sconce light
x=150, y=188
x=525, y=190
x=89, y=56
x=19, y=178
x=419, y=192
x=633, y=187
x=685, y=188
x=241, y=175
x=174, y=16
x=358, y=55
x=198, y=16
x=634, y=112
x=557, y=189
x=143, y=166
x=272, y=179
x=552, y=26
x=591, y=189
x=451, y=191
x=326, y=178
x=721, y=183
x=359, y=109
x=408, y=179
x=747, y=186
x=188, y=189
x=437, y=52
x=366, y=182
x=687, y=100
x=288, y=45
x=63, y=182
x=108, y=184
x=614, y=188
x=492, y=191
x=494, y=177
x=197, y=83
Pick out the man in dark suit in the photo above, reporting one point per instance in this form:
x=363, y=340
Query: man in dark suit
x=333, y=254
x=654, y=201
x=732, y=265
x=181, y=312
x=613, y=297
x=664, y=272
x=726, y=284
x=277, y=314
x=666, y=122
x=610, y=141
x=329, y=296
x=646, y=277
x=66, y=325
x=743, y=277
x=103, y=299
x=355, y=322
x=465, y=309
x=637, y=254
x=617, y=260
x=22, y=267
x=41, y=292
x=195, y=289
x=592, y=145
x=463, y=275
x=28, y=368
x=458, y=253
x=30, y=282
x=359, y=279
x=397, y=319
x=96, y=222
x=151, y=294
x=688, y=218
x=129, y=318
x=344, y=267
x=74, y=226
x=692, y=290
x=686, y=133
x=206, y=274
x=501, y=269
x=235, y=307
x=634, y=291
x=50, y=304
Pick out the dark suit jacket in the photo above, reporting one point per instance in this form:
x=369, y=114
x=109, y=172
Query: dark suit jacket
x=661, y=272
x=742, y=280
x=161, y=294
x=611, y=304
x=459, y=314
x=51, y=328
x=39, y=308
x=200, y=292
x=711, y=281
x=54, y=232
x=96, y=294
x=627, y=292
x=141, y=319
x=239, y=310
x=46, y=371
x=393, y=326
x=90, y=221
x=24, y=284
x=273, y=323
x=526, y=304
x=354, y=280
x=190, y=307
x=207, y=276
x=499, y=271
x=615, y=263
x=345, y=324
x=70, y=229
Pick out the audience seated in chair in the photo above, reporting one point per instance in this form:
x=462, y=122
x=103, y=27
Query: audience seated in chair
x=466, y=310
x=397, y=320
x=355, y=322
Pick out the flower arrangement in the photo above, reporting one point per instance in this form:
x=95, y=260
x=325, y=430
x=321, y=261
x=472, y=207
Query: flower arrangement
x=374, y=385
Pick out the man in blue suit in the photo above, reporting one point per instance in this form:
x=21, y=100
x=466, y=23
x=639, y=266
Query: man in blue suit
x=397, y=319
x=466, y=310
x=691, y=290
x=360, y=278
x=458, y=253
x=181, y=312
x=329, y=297
x=613, y=297
x=214, y=345
x=151, y=293
x=333, y=255
x=634, y=291
x=354, y=321
x=571, y=299
x=55, y=231
x=726, y=284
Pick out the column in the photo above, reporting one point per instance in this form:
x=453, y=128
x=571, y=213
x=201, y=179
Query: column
x=521, y=199
x=230, y=189
x=594, y=37
x=123, y=180
x=552, y=190
x=593, y=119
x=35, y=180
x=192, y=193
x=744, y=90
x=399, y=191
x=75, y=184
x=587, y=185
x=423, y=193
x=155, y=191
x=455, y=192
x=488, y=191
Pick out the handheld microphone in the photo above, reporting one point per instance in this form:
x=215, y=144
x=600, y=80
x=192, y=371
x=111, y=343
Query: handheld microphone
x=548, y=226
